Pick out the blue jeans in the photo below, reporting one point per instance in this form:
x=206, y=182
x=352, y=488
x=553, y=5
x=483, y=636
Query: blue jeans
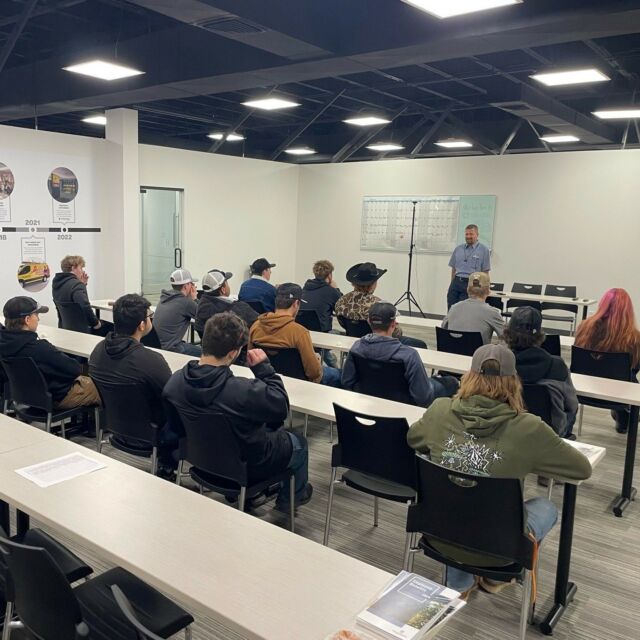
x=298, y=463
x=189, y=349
x=457, y=291
x=541, y=517
x=331, y=377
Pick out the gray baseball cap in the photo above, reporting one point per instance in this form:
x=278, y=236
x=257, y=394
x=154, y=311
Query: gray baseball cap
x=182, y=276
x=498, y=352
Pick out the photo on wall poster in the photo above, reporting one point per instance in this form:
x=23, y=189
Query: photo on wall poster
x=63, y=187
x=7, y=185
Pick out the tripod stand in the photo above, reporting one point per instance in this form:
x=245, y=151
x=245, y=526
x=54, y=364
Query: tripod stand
x=407, y=295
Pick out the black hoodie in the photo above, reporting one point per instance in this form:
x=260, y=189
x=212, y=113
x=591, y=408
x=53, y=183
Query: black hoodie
x=65, y=287
x=211, y=304
x=58, y=369
x=249, y=404
x=321, y=297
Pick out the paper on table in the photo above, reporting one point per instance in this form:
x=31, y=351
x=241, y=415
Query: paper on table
x=50, y=472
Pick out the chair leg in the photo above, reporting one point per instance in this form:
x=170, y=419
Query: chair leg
x=327, y=524
x=580, y=414
x=444, y=574
x=154, y=461
x=526, y=604
x=292, y=503
x=331, y=432
x=179, y=472
x=48, y=426
x=187, y=633
x=63, y=430
x=306, y=424
x=242, y=498
x=375, y=510
x=8, y=614
x=290, y=419
x=96, y=414
x=201, y=490
x=550, y=489
x=407, y=551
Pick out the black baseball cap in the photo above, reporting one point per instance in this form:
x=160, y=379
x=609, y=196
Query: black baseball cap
x=526, y=319
x=382, y=313
x=289, y=291
x=21, y=307
x=259, y=265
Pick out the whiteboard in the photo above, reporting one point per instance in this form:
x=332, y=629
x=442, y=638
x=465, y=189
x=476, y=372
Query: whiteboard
x=440, y=222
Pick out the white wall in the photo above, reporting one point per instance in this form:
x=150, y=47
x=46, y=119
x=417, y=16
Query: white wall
x=562, y=218
x=235, y=209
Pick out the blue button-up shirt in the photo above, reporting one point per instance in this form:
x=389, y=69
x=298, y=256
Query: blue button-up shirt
x=467, y=259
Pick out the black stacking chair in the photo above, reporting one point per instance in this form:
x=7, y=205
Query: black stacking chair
x=211, y=447
x=377, y=459
x=257, y=306
x=484, y=515
x=521, y=287
x=286, y=362
x=72, y=317
x=562, y=291
x=151, y=340
x=133, y=419
x=496, y=301
x=142, y=633
x=5, y=390
x=354, y=328
x=537, y=399
x=463, y=343
x=50, y=609
x=309, y=318
x=601, y=364
x=31, y=398
x=381, y=379
x=551, y=344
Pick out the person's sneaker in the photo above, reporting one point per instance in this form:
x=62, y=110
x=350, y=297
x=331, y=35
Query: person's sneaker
x=494, y=586
x=571, y=436
x=465, y=594
x=306, y=497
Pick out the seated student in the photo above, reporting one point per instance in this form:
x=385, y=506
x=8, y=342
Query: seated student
x=19, y=339
x=355, y=305
x=612, y=328
x=177, y=307
x=322, y=293
x=381, y=346
x=258, y=288
x=253, y=405
x=216, y=298
x=122, y=359
x=70, y=285
x=523, y=336
x=485, y=430
x=474, y=314
x=280, y=330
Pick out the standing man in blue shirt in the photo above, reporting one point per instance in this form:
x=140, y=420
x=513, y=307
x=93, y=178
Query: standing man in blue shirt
x=466, y=259
x=258, y=288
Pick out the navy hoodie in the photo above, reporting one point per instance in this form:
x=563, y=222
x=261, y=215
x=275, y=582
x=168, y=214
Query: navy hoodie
x=250, y=404
x=321, y=298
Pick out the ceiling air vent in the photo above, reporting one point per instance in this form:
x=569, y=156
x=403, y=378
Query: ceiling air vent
x=230, y=26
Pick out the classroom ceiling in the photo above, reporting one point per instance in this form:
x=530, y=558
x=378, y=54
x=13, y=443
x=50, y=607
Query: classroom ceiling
x=466, y=77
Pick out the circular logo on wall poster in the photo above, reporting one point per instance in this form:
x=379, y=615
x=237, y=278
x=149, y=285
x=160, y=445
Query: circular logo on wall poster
x=7, y=181
x=63, y=184
x=33, y=276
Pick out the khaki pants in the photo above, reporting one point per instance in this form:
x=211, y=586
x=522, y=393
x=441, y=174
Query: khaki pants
x=83, y=393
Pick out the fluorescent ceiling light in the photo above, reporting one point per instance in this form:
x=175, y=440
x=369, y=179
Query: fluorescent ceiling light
x=385, y=146
x=270, y=104
x=103, y=70
x=450, y=8
x=367, y=121
x=230, y=137
x=558, y=138
x=300, y=151
x=454, y=144
x=96, y=120
x=617, y=114
x=577, y=76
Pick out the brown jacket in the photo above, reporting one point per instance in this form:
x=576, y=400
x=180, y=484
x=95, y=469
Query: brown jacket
x=282, y=331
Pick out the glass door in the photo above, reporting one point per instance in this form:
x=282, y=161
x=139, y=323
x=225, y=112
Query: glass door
x=161, y=214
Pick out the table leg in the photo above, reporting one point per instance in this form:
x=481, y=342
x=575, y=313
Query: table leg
x=565, y=590
x=628, y=491
x=584, y=311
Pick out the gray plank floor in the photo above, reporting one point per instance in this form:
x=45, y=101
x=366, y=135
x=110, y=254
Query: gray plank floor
x=606, y=552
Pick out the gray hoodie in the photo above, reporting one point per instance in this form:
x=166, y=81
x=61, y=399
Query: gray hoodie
x=385, y=349
x=172, y=318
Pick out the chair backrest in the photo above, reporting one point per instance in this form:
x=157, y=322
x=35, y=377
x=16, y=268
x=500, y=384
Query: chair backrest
x=495, y=301
x=601, y=364
x=257, y=306
x=142, y=633
x=151, y=340
x=482, y=514
x=562, y=291
x=464, y=343
x=210, y=445
x=44, y=601
x=309, y=318
x=551, y=344
x=130, y=410
x=374, y=445
x=27, y=383
x=286, y=362
x=72, y=317
x=537, y=399
x=354, y=328
x=381, y=379
x=523, y=287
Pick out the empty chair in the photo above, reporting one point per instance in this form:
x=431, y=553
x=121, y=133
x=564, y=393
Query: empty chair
x=616, y=366
x=50, y=609
x=354, y=328
x=521, y=287
x=483, y=515
x=309, y=318
x=286, y=362
x=211, y=447
x=551, y=344
x=496, y=301
x=32, y=400
x=256, y=305
x=377, y=459
x=561, y=291
x=72, y=317
x=382, y=379
x=461, y=342
x=142, y=633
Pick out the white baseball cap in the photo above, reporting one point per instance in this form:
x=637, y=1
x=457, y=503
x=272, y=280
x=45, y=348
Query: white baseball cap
x=214, y=279
x=182, y=276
